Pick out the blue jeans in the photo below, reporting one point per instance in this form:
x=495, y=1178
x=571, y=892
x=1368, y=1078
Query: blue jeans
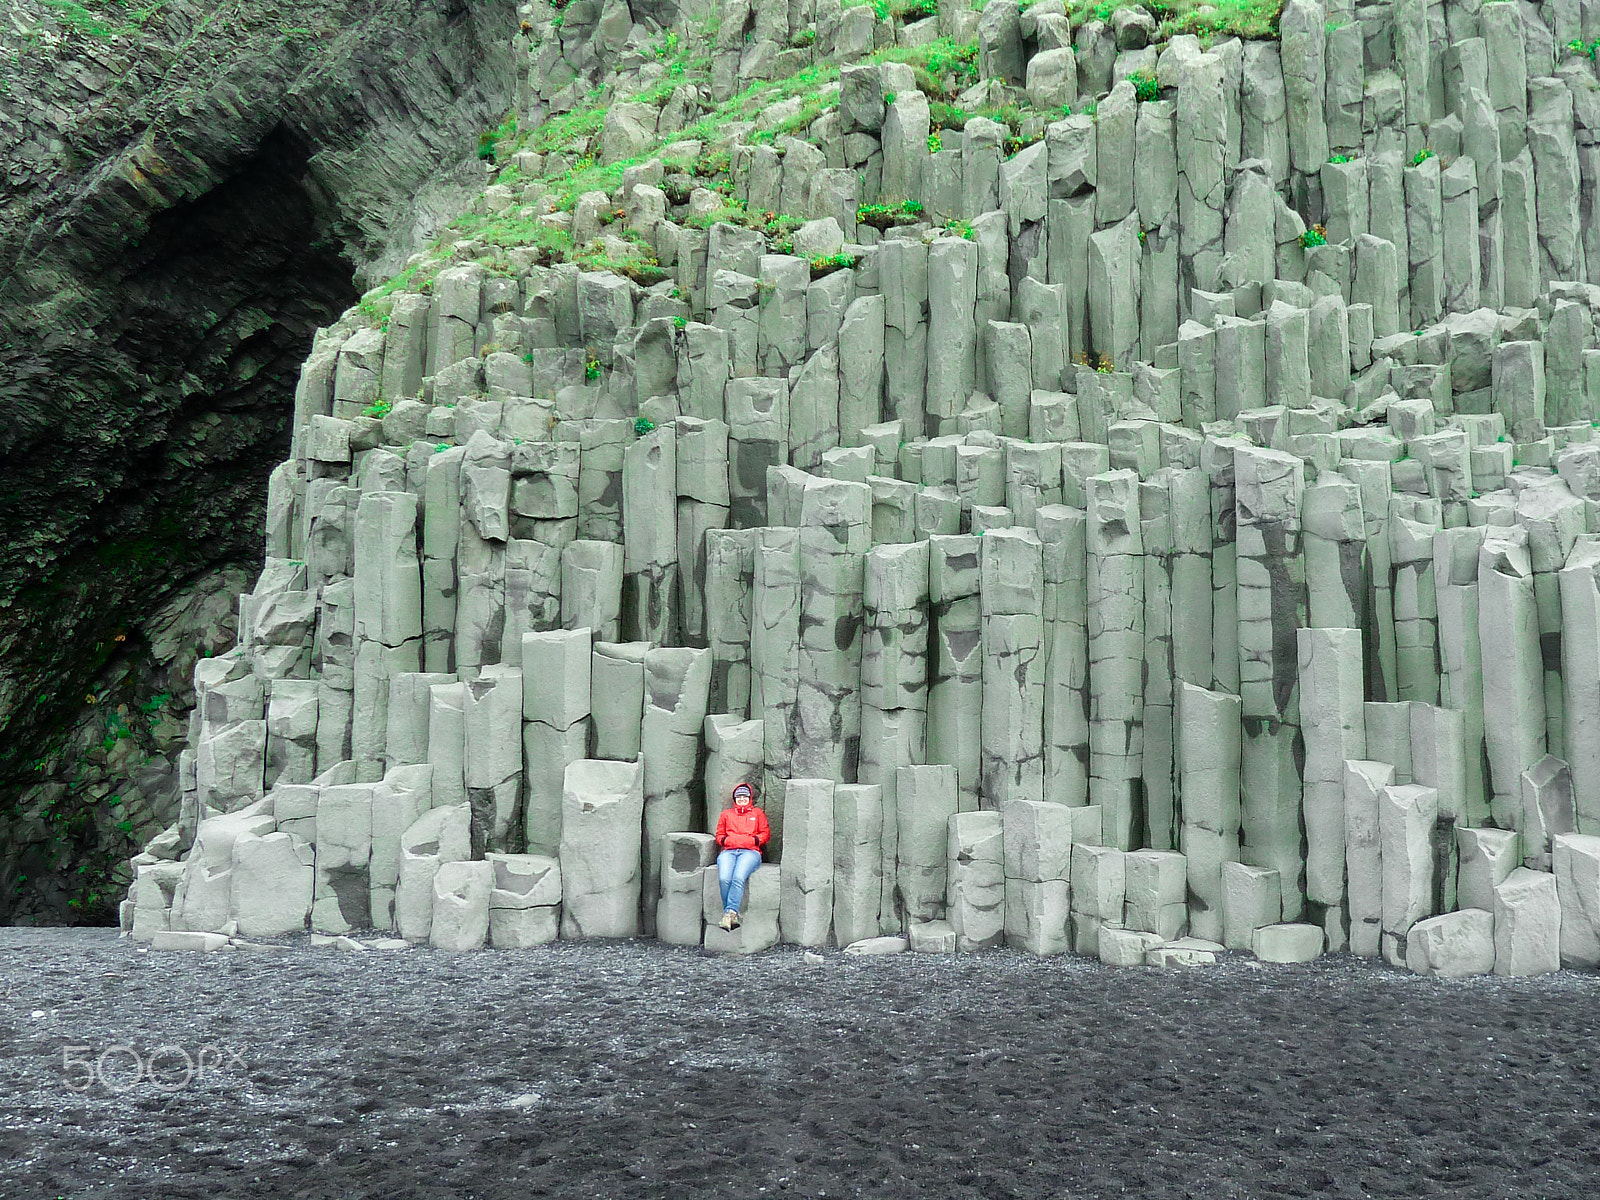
x=734, y=868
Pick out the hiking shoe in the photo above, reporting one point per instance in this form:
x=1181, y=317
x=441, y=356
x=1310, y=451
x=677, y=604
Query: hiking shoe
x=734, y=917
x=729, y=920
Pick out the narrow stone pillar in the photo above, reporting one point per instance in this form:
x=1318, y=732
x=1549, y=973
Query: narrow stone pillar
x=1062, y=533
x=1012, y=728
x=835, y=535
x=1416, y=609
x=1331, y=689
x=1580, y=677
x=730, y=581
x=805, y=896
x=1364, y=784
x=677, y=682
x=926, y=800
x=775, y=648
x=976, y=885
x=1272, y=607
x=894, y=686
x=703, y=499
x=955, y=700
x=1209, y=756
x=650, y=540
x=1513, y=672
x=1038, y=860
x=858, y=826
x=555, y=727
x=1116, y=654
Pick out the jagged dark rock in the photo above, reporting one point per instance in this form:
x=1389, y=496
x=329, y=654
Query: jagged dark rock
x=185, y=201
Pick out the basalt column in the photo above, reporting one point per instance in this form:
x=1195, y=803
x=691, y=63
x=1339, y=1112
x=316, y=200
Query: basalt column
x=1272, y=608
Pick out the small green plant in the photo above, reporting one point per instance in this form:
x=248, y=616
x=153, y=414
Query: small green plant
x=1317, y=235
x=681, y=322
x=935, y=143
x=888, y=99
x=959, y=228
x=1338, y=158
x=441, y=447
x=917, y=10
x=827, y=264
x=882, y=216
x=1105, y=366
x=591, y=365
x=1145, y=85
x=880, y=9
x=643, y=426
x=379, y=408
x=1421, y=157
x=803, y=39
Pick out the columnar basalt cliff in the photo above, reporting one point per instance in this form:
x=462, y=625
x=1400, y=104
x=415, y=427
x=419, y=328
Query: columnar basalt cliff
x=190, y=191
x=1115, y=493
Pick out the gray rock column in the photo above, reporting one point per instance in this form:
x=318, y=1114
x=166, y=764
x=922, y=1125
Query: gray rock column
x=1406, y=816
x=1304, y=41
x=1066, y=636
x=701, y=473
x=1518, y=229
x=1013, y=671
x=758, y=438
x=1157, y=506
x=1455, y=572
x=1554, y=144
x=835, y=535
x=1209, y=749
x=775, y=648
x=862, y=348
x=730, y=575
x=858, y=862
x=555, y=730
x=492, y=756
x=677, y=682
x=951, y=356
x=1580, y=675
x=805, y=896
x=1416, y=610
x=1459, y=228
x=1272, y=605
x=1116, y=653
x=1513, y=674
x=1202, y=144
x=955, y=700
x=925, y=802
x=894, y=686
x=650, y=538
x=591, y=587
x=1335, y=730
x=388, y=616
x=602, y=812
x=905, y=270
x=976, y=886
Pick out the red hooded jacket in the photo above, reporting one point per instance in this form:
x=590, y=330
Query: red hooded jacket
x=743, y=830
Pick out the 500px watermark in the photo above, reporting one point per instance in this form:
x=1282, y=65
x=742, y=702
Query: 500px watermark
x=166, y=1068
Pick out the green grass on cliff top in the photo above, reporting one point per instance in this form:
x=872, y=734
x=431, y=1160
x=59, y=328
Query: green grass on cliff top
x=1251, y=19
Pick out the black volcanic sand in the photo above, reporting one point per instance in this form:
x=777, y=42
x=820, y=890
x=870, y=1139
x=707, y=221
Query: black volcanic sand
x=635, y=1070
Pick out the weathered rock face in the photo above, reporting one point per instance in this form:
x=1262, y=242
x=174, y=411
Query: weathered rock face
x=186, y=201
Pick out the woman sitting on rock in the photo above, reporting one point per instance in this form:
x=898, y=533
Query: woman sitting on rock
x=742, y=831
